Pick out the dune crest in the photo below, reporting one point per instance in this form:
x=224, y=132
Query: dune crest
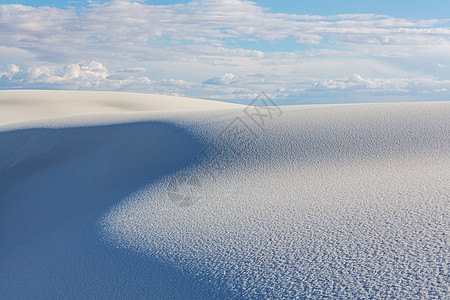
x=26, y=105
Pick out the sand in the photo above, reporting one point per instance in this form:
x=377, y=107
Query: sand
x=27, y=105
x=346, y=201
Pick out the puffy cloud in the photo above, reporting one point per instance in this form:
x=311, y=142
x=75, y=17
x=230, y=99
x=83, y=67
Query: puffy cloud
x=226, y=78
x=176, y=83
x=72, y=76
x=95, y=76
x=10, y=71
x=356, y=82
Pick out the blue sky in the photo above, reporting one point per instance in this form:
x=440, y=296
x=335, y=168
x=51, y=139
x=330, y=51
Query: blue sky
x=296, y=51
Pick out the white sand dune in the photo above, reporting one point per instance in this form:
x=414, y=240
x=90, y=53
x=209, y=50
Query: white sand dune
x=27, y=105
x=319, y=201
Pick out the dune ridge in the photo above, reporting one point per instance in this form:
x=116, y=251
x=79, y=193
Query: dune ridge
x=28, y=105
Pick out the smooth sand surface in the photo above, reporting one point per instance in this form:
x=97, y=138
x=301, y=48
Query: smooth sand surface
x=340, y=201
x=27, y=105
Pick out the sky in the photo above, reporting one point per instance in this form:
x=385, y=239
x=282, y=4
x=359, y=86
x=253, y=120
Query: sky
x=297, y=52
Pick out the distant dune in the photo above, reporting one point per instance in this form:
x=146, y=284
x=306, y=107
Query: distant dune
x=26, y=105
x=176, y=198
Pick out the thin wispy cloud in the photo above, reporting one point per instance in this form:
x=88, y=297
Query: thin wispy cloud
x=211, y=49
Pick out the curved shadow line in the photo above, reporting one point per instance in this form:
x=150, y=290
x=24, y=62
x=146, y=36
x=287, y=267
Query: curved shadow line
x=50, y=203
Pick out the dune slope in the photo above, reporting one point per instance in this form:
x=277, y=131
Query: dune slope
x=316, y=201
x=27, y=105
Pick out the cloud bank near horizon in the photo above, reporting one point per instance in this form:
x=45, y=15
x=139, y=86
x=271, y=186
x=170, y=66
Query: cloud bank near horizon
x=224, y=49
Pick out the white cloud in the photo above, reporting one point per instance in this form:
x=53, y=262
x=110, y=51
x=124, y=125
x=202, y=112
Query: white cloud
x=72, y=76
x=130, y=28
x=10, y=71
x=176, y=83
x=226, y=78
x=14, y=54
x=356, y=82
x=132, y=70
